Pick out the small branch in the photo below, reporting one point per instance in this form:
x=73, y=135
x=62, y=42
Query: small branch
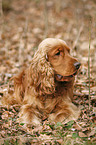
x=78, y=124
x=58, y=4
x=77, y=38
x=21, y=52
x=1, y=20
x=25, y=33
x=46, y=19
x=89, y=60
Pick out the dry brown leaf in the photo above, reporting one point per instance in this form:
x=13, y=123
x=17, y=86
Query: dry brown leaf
x=38, y=128
x=60, y=141
x=92, y=133
x=81, y=134
x=93, y=88
x=5, y=115
x=2, y=68
x=77, y=127
x=45, y=137
x=85, y=91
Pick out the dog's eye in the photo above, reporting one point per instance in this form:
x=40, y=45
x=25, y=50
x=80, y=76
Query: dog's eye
x=58, y=53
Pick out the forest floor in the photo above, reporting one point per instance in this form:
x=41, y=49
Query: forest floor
x=23, y=25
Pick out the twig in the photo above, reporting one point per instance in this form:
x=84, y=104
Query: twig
x=23, y=42
x=1, y=19
x=25, y=33
x=77, y=38
x=78, y=124
x=69, y=28
x=89, y=61
x=46, y=19
x=58, y=4
x=21, y=51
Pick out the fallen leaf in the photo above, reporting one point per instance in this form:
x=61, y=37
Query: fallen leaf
x=77, y=127
x=92, y=133
x=81, y=134
x=93, y=88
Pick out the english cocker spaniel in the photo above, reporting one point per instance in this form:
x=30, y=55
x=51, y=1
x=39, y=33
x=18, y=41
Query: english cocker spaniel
x=45, y=88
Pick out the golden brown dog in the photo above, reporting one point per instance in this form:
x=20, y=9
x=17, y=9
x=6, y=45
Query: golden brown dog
x=45, y=88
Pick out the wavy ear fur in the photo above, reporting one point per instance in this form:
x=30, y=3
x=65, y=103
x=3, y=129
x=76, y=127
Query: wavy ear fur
x=18, y=95
x=19, y=87
x=39, y=76
x=42, y=76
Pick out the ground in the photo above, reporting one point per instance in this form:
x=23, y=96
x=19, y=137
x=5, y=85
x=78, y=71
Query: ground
x=23, y=25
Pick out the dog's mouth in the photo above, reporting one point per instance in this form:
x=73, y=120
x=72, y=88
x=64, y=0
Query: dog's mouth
x=65, y=78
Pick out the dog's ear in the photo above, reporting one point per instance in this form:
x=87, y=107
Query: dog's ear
x=19, y=86
x=42, y=76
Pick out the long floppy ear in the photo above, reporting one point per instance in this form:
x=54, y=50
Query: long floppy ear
x=18, y=95
x=19, y=87
x=42, y=76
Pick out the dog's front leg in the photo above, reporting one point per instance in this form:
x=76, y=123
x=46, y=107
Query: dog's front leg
x=29, y=115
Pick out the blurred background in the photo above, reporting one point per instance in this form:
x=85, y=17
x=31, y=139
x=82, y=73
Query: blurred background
x=25, y=23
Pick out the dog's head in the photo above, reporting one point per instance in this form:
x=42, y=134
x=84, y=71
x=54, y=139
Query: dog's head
x=58, y=54
x=65, y=66
x=53, y=61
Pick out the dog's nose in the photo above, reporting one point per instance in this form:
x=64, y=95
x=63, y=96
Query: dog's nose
x=77, y=65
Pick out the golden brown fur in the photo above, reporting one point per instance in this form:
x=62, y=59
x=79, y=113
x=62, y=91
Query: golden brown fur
x=45, y=88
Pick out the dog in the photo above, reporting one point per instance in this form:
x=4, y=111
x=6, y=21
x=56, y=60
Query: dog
x=45, y=89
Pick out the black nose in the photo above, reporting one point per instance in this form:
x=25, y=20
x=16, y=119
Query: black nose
x=77, y=65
